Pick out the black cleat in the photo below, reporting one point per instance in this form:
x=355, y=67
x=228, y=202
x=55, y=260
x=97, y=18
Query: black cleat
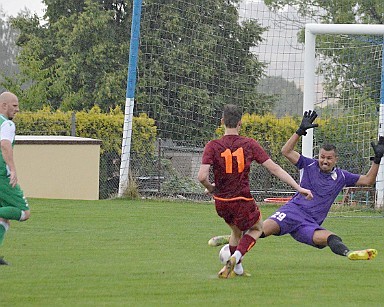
x=3, y=262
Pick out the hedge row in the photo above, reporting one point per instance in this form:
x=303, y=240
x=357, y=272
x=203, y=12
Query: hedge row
x=351, y=134
x=270, y=131
x=107, y=127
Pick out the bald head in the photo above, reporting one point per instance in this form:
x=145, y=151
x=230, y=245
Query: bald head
x=9, y=104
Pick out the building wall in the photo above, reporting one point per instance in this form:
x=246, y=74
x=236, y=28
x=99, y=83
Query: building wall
x=58, y=167
x=186, y=163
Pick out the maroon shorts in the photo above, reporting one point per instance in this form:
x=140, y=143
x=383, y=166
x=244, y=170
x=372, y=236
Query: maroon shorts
x=242, y=213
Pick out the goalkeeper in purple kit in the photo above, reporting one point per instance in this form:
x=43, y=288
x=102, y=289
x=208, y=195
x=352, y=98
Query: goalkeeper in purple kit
x=302, y=218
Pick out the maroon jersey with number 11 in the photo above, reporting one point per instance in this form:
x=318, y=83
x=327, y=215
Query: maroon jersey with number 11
x=231, y=158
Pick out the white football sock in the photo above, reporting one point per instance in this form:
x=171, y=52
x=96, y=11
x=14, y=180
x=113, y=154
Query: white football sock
x=239, y=270
x=237, y=255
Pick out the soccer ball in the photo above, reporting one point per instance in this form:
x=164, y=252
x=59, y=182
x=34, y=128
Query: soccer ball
x=224, y=254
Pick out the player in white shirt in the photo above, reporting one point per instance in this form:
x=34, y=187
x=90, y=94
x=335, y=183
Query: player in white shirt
x=13, y=204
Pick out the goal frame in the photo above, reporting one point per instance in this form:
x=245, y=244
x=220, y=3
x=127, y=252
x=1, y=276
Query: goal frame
x=311, y=31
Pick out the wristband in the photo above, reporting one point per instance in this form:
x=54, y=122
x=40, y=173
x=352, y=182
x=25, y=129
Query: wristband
x=301, y=131
x=375, y=159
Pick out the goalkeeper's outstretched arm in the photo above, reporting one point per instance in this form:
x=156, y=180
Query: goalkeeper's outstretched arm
x=370, y=177
x=288, y=150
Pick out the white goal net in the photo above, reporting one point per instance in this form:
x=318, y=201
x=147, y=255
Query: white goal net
x=343, y=83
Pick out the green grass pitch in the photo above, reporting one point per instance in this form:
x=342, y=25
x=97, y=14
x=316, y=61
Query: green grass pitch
x=155, y=253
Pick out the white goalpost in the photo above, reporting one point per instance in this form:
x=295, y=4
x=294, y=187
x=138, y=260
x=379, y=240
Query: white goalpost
x=309, y=101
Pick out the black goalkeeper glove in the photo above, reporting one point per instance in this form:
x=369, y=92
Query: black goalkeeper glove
x=378, y=149
x=307, y=122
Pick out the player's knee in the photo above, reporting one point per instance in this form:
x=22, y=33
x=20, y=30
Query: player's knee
x=25, y=215
x=5, y=223
x=270, y=227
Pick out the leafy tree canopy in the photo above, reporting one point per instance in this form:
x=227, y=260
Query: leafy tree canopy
x=73, y=62
x=289, y=97
x=8, y=50
x=350, y=67
x=193, y=59
x=335, y=11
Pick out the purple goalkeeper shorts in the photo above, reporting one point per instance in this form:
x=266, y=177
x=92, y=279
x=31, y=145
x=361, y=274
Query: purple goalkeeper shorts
x=297, y=223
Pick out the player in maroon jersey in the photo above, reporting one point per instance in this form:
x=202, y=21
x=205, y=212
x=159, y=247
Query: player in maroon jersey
x=231, y=158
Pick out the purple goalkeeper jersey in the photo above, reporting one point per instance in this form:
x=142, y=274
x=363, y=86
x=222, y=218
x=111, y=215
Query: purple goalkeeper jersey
x=324, y=186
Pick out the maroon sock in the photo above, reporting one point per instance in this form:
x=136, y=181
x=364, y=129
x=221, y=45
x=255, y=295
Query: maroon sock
x=246, y=243
x=232, y=249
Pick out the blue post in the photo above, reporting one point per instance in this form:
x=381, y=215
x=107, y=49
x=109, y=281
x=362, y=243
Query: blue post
x=130, y=94
x=134, y=48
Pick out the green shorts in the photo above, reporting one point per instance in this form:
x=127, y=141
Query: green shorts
x=12, y=197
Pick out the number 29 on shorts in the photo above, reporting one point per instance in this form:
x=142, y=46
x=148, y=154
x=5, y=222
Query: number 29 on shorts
x=279, y=216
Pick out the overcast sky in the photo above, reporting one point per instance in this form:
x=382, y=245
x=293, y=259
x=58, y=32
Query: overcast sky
x=286, y=62
x=12, y=7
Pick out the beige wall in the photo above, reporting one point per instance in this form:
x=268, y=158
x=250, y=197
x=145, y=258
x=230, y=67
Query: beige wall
x=58, y=167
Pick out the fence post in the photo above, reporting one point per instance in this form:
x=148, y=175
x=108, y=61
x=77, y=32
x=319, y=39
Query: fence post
x=159, y=167
x=73, y=124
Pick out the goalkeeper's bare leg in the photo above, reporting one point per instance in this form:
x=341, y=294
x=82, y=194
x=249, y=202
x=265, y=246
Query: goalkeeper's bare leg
x=321, y=237
x=270, y=227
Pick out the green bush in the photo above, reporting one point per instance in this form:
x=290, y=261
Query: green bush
x=271, y=132
x=107, y=127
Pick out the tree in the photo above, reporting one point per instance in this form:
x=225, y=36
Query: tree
x=335, y=11
x=75, y=62
x=289, y=96
x=349, y=66
x=8, y=49
x=193, y=59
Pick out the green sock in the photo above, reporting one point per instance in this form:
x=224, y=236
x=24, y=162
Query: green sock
x=10, y=213
x=2, y=233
